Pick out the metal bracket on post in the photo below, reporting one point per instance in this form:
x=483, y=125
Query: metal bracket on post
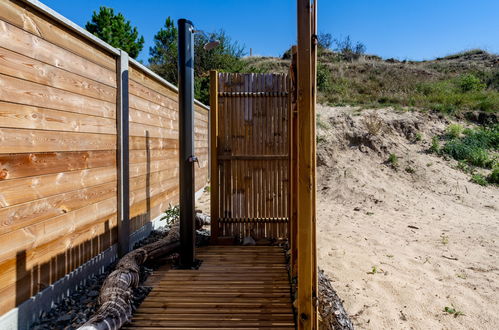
x=122, y=160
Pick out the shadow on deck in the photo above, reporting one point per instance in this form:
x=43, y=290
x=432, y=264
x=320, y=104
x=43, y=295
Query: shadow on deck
x=236, y=287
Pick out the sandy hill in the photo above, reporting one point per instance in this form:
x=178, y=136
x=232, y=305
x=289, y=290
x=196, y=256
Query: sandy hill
x=455, y=84
x=403, y=240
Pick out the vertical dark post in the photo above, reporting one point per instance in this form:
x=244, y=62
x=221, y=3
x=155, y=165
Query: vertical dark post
x=122, y=155
x=186, y=137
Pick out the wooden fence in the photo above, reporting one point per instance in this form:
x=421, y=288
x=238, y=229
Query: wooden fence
x=250, y=190
x=59, y=143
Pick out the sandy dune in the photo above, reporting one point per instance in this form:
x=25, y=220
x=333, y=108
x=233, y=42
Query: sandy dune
x=448, y=257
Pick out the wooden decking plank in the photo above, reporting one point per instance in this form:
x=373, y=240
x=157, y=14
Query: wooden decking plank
x=234, y=288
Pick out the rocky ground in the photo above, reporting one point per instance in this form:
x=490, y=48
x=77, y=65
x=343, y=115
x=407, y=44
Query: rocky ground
x=76, y=309
x=403, y=242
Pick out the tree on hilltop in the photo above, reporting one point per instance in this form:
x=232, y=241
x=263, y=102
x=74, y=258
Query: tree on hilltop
x=116, y=31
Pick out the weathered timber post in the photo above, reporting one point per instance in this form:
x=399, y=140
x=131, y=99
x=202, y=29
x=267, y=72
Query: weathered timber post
x=306, y=264
x=123, y=155
x=186, y=141
x=214, y=200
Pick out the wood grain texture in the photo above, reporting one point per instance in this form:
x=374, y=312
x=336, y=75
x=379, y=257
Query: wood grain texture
x=252, y=155
x=58, y=150
x=24, y=17
x=19, y=165
x=16, y=90
x=22, y=42
x=20, y=66
x=59, y=228
x=221, y=294
x=14, y=115
x=39, y=267
x=22, y=215
x=21, y=140
x=306, y=267
x=23, y=190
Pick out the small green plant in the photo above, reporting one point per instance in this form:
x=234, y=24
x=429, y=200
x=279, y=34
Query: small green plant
x=463, y=166
x=393, y=160
x=171, y=214
x=418, y=137
x=375, y=270
x=444, y=239
x=453, y=311
x=462, y=276
x=493, y=177
x=320, y=139
x=435, y=145
x=410, y=170
x=454, y=131
x=479, y=179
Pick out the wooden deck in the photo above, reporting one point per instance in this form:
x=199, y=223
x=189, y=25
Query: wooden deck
x=236, y=287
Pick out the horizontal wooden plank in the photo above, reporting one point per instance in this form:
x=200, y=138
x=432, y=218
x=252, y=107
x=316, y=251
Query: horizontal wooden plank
x=256, y=300
x=23, y=190
x=16, y=90
x=22, y=215
x=38, y=268
x=15, y=165
x=225, y=291
x=206, y=316
x=24, y=116
x=27, y=68
x=252, y=157
x=23, y=141
x=157, y=292
x=28, y=19
x=47, y=241
x=22, y=42
x=142, y=78
x=204, y=328
x=211, y=323
x=219, y=310
x=142, y=204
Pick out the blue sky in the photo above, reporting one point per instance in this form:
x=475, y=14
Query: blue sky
x=401, y=29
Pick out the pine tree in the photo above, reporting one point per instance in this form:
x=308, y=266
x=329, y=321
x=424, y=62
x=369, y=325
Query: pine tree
x=116, y=31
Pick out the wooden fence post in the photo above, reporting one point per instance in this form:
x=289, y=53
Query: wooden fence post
x=214, y=207
x=293, y=152
x=307, y=285
x=122, y=162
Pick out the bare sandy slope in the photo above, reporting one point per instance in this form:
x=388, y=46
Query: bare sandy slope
x=365, y=207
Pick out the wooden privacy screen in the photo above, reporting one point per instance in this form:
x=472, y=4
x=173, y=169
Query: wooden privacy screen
x=58, y=142
x=252, y=156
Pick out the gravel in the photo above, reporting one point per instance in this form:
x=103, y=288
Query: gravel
x=76, y=309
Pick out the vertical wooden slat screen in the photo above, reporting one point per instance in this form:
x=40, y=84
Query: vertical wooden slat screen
x=252, y=155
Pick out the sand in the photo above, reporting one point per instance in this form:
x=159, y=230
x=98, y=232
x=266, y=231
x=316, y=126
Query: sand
x=432, y=236
x=448, y=257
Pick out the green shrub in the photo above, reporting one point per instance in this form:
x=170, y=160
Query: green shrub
x=493, y=177
x=479, y=179
x=469, y=83
x=435, y=145
x=454, y=130
x=476, y=147
x=323, y=78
